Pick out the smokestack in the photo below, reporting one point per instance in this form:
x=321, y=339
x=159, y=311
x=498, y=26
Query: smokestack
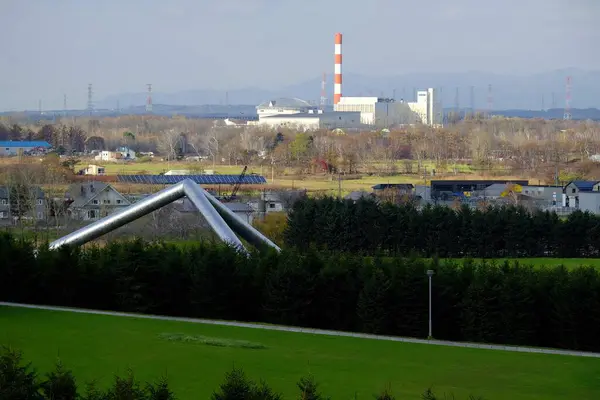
x=337, y=83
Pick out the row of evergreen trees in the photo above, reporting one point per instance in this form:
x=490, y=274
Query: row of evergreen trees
x=472, y=301
x=371, y=228
x=19, y=381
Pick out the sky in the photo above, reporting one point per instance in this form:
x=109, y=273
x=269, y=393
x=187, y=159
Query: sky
x=55, y=47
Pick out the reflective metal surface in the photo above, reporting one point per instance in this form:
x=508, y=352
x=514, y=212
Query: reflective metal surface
x=221, y=219
x=118, y=219
x=197, y=196
x=241, y=227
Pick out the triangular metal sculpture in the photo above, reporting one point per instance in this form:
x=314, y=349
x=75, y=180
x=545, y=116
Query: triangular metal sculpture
x=222, y=220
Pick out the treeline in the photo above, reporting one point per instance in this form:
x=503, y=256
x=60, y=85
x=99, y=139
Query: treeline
x=65, y=139
x=476, y=302
x=19, y=381
x=367, y=227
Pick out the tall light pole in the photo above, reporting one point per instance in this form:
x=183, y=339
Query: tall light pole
x=430, y=273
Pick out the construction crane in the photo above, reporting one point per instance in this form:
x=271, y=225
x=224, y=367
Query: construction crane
x=236, y=186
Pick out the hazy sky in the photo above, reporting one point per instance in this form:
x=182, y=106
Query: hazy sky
x=51, y=47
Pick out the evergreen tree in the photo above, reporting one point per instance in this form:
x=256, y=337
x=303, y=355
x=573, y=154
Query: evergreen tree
x=309, y=389
x=373, y=309
x=60, y=384
x=18, y=381
x=126, y=388
x=386, y=394
x=262, y=391
x=93, y=393
x=236, y=387
x=160, y=390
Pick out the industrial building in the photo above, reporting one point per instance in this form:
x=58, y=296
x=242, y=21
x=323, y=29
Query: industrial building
x=446, y=189
x=14, y=148
x=314, y=120
x=350, y=112
x=283, y=106
x=384, y=112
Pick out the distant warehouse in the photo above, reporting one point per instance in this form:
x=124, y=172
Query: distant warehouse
x=14, y=148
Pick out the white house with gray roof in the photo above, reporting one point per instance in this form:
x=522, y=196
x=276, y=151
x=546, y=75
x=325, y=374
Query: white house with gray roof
x=94, y=200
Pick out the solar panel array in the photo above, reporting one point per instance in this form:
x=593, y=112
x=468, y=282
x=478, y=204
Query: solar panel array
x=200, y=179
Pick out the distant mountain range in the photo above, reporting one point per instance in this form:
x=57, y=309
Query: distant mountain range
x=534, y=92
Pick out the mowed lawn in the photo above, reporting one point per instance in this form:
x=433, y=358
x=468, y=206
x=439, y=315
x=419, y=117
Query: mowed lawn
x=569, y=263
x=98, y=346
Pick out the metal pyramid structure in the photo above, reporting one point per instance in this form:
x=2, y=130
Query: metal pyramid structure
x=224, y=222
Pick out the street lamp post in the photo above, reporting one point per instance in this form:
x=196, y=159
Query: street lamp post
x=430, y=273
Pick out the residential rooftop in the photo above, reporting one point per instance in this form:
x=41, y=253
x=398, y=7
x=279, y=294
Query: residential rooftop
x=24, y=143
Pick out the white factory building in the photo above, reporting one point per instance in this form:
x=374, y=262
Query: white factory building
x=313, y=120
x=298, y=114
x=350, y=113
x=283, y=106
x=385, y=113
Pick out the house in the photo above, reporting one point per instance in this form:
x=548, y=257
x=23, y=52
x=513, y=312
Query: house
x=35, y=210
x=14, y=148
x=573, y=189
x=93, y=169
x=423, y=192
x=108, y=156
x=589, y=201
x=402, y=188
x=4, y=205
x=122, y=153
x=360, y=194
x=445, y=189
x=550, y=194
x=93, y=200
x=276, y=201
x=126, y=153
x=178, y=172
x=235, y=122
x=494, y=191
x=242, y=210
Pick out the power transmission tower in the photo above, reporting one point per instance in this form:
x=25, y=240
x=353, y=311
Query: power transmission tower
x=323, y=91
x=567, y=114
x=457, y=101
x=149, y=99
x=490, y=101
x=90, y=103
x=472, y=100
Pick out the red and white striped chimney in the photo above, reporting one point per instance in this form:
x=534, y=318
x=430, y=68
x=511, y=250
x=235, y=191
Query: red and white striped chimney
x=337, y=82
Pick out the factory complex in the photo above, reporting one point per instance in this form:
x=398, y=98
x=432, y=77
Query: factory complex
x=349, y=112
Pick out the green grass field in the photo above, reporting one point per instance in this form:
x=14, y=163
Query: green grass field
x=543, y=261
x=97, y=347
x=314, y=183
